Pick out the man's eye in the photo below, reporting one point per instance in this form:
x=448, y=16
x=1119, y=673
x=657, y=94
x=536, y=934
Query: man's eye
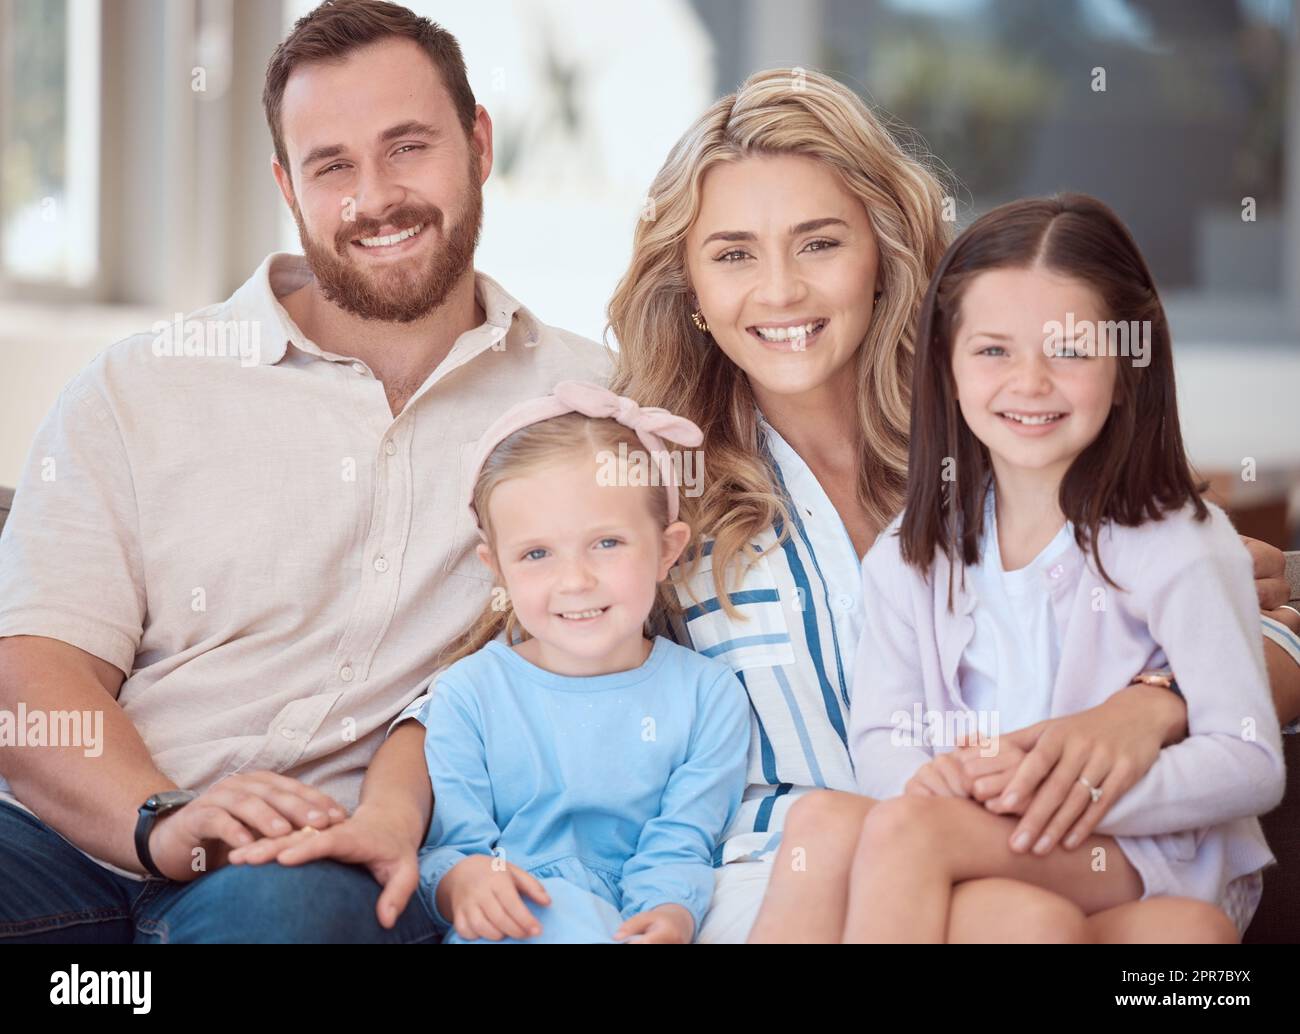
x=330, y=168
x=409, y=147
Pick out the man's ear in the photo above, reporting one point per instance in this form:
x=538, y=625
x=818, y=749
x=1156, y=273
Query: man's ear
x=481, y=141
x=282, y=180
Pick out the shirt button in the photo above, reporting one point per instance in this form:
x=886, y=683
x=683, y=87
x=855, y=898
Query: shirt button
x=345, y=673
x=1056, y=571
x=381, y=564
x=359, y=367
x=389, y=447
x=845, y=601
x=288, y=734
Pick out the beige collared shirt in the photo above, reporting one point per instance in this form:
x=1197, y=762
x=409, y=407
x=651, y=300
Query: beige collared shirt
x=235, y=518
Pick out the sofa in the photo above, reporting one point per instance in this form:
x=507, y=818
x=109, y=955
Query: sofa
x=1278, y=919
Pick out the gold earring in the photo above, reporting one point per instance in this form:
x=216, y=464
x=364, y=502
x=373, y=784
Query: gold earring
x=698, y=319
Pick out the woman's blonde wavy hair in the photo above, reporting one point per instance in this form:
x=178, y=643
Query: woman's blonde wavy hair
x=663, y=360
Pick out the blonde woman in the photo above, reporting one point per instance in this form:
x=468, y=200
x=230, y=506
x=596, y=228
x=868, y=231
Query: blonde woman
x=772, y=300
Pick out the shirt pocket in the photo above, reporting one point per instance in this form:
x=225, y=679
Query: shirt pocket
x=760, y=639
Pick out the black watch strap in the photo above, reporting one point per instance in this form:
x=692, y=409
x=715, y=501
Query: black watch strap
x=150, y=812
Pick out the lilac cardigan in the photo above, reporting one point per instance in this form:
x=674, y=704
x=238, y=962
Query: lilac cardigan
x=1187, y=826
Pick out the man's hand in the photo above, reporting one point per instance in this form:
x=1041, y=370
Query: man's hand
x=368, y=837
x=664, y=924
x=1270, y=573
x=481, y=897
x=196, y=838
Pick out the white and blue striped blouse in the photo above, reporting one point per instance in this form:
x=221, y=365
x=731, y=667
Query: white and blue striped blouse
x=795, y=653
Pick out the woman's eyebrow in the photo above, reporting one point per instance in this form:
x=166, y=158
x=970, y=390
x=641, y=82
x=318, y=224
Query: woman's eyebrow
x=805, y=227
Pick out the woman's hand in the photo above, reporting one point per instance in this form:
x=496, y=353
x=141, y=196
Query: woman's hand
x=1113, y=745
x=369, y=837
x=1270, y=573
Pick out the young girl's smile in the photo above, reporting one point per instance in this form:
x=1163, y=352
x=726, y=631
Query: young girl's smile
x=1031, y=409
x=581, y=561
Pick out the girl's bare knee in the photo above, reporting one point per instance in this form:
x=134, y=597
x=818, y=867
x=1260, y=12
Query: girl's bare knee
x=822, y=810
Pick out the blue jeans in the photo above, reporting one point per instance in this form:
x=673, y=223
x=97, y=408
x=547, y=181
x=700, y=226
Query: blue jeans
x=51, y=893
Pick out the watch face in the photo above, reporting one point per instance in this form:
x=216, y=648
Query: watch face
x=169, y=800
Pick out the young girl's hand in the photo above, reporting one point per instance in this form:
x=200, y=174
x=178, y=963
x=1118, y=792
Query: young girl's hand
x=941, y=777
x=664, y=924
x=989, y=765
x=481, y=895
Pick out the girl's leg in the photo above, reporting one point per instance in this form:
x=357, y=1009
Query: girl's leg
x=1163, y=921
x=1001, y=911
x=913, y=850
x=808, y=892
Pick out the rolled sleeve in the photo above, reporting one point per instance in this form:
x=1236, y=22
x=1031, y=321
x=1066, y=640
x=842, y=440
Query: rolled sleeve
x=70, y=559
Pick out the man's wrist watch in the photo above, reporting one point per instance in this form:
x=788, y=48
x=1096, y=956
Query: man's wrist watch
x=1164, y=679
x=151, y=811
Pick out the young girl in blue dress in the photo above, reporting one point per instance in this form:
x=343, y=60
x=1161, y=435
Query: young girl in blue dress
x=582, y=773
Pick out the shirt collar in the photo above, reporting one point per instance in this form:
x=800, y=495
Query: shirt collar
x=282, y=273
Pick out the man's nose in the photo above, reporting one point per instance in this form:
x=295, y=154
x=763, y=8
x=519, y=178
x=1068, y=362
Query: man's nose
x=377, y=194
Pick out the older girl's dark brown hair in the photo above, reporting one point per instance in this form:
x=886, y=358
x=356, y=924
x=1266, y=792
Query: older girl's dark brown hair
x=1134, y=471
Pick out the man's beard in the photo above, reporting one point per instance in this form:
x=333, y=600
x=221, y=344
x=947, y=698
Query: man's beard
x=400, y=293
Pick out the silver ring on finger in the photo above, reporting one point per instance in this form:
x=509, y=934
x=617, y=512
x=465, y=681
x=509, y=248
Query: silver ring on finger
x=1093, y=791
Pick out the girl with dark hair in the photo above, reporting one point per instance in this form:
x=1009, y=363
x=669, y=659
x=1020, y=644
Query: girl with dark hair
x=1053, y=543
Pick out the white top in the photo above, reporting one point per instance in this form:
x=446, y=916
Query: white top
x=1008, y=669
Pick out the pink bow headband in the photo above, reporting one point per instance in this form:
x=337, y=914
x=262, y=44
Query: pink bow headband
x=650, y=423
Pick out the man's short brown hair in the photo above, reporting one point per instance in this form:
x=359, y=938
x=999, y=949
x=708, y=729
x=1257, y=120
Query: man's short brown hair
x=336, y=28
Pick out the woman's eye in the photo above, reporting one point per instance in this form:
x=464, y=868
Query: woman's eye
x=821, y=245
x=991, y=349
x=731, y=256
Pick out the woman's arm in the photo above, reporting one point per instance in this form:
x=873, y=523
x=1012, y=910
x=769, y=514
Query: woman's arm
x=1210, y=649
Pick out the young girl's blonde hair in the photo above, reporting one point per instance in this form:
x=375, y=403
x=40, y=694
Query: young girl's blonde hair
x=572, y=437
x=663, y=360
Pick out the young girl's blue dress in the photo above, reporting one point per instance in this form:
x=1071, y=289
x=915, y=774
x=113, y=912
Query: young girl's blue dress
x=612, y=790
